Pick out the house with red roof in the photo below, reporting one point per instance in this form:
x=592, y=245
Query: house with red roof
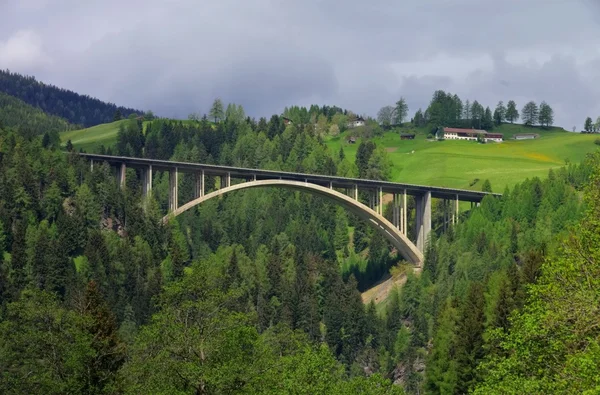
x=471, y=134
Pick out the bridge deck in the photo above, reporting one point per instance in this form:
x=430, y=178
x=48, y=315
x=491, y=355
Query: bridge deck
x=324, y=180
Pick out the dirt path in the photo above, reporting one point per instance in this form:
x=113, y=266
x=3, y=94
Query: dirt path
x=380, y=291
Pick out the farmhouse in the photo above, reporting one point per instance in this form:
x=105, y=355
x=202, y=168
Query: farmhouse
x=407, y=136
x=526, y=136
x=471, y=134
x=286, y=121
x=359, y=121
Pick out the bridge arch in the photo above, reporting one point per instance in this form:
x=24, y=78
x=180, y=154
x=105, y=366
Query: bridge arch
x=384, y=227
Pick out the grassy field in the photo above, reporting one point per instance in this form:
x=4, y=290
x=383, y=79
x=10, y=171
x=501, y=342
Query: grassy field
x=87, y=139
x=454, y=164
x=95, y=136
x=458, y=163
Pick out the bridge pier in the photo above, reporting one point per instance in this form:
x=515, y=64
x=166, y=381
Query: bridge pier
x=121, y=173
x=455, y=213
x=147, y=180
x=199, y=185
x=226, y=180
x=399, y=211
x=173, y=193
x=404, y=227
x=423, y=222
x=396, y=229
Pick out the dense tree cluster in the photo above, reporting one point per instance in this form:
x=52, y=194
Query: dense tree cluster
x=591, y=126
x=102, y=254
x=448, y=110
x=259, y=292
x=29, y=121
x=75, y=108
x=393, y=115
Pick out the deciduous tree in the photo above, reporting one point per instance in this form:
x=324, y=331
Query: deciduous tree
x=384, y=116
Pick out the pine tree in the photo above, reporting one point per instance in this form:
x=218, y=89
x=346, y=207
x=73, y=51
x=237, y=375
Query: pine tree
x=488, y=121
x=109, y=351
x=546, y=117
x=118, y=116
x=467, y=110
x=18, y=259
x=512, y=114
x=588, y=125
x=487, y=186
x=216, y=111
x=360, y=238
x=341, y=154
x=400, y=112
x=530, y=114
x=499, y=113
x=469, y=338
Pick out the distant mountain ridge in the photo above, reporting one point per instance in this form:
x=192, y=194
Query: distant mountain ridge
x=75, y=108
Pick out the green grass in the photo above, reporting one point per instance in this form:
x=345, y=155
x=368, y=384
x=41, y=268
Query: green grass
x=457, y=164
x=104, y=134
x=453, y=164
x=90, y=138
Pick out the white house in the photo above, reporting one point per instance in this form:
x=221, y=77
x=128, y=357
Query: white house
x=471, y=134
x=359, y=121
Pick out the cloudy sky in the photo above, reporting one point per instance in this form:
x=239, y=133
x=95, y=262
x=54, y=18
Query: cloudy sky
x=176, y=56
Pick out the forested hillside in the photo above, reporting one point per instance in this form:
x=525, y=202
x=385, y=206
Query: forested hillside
x=259, y=292
x=75, y=108
x=28, y=120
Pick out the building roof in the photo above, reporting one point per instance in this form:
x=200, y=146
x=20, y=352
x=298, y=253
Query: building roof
x=407, y=134
x=494, y=135
x=459, y=130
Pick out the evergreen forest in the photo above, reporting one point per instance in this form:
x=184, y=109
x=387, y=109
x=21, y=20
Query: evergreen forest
x=260, y=291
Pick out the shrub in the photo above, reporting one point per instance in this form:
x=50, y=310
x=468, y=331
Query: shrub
x=597, y=141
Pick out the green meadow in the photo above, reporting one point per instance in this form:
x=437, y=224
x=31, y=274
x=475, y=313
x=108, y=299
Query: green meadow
x=458, y=164
x=95, y=136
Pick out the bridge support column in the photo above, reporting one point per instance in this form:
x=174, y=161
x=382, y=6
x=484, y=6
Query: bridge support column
x=423, y=216
x=147, y=181
x=199, y=185
x=226, y=180
x=394, y=208
x=355, y=192
x=455, y=214
x=122, y=172
x=91, y=165
x=380, y=201
x=173, y=196
x=404, y=228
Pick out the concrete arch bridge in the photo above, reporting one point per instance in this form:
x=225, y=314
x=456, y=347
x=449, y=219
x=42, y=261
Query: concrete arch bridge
x=341, y=190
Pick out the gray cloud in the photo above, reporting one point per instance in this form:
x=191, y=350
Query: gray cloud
x=175, y=57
